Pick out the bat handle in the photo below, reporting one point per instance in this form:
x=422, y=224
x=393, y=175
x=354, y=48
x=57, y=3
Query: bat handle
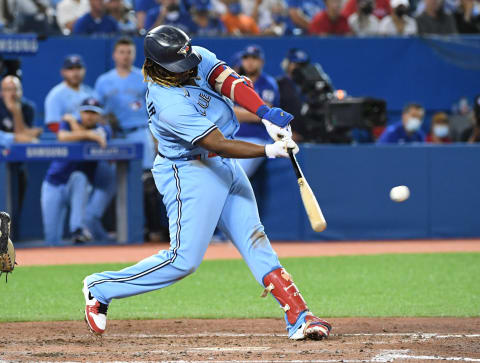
x=296, y=167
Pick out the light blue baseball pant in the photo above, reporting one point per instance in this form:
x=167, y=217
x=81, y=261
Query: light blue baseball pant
x=250, y=166
x=142, y=135
x=55, y=201
x=198, y=195
x=102, y=192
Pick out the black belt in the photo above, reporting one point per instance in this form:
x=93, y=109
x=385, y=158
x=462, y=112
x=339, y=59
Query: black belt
x=191, y=157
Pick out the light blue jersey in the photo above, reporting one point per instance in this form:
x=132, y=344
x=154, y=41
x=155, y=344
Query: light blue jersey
x=124, y=97
x=181, y=116
x=62, y=99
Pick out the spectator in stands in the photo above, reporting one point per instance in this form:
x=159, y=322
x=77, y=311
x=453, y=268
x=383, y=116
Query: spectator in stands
x=16, y=113
x=301, y=13
x=238, y=23
x=291, y=99
x=32, y=16
x=434, y=20
x=169, y=12
x=141, y=9
x=97, y=21
x=330, y=21
x=408, y=129
x=68, y=183
x=381, y=8
x=472, y=134
x=467, y=22
x=127, y=23
x=461, y=118
x=398, y=23
x=68, y=11
x=206, y=23
x=66, y=97
x=275, y=19
x=251, y=127
x=122, y=91
x=363, y=23
x=439, y=129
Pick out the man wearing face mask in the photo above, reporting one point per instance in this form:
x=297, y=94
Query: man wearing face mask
x=398, y=23
x=238, y=23
x=440, y=130
x=408, y=129
x=362, y=22
x=169, y=12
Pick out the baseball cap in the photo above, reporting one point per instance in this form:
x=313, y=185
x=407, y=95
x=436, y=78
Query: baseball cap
x=396, y=3
x=201, y=5
x=91, y=104
x=73, y=60
x=253, y=51
x=295, y=55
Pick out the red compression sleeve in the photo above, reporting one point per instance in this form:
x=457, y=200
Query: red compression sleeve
x=244, y=95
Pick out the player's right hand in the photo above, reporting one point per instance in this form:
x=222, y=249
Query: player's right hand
x=279, y=148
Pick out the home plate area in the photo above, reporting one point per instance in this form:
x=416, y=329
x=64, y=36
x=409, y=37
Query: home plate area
x=259, y=340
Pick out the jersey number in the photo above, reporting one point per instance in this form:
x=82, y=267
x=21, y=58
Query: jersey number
x=151, y=109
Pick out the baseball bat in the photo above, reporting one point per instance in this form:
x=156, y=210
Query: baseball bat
x=315, y=215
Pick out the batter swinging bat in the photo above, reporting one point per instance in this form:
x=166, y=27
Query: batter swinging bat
x=309, y=201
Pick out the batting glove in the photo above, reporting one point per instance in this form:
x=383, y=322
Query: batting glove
x=279, y=148
x=278, y=133
x=275, y=115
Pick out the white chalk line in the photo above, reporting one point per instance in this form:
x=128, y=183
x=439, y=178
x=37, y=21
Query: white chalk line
x=392, y=355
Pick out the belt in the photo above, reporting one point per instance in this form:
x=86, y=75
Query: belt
x=191, y=157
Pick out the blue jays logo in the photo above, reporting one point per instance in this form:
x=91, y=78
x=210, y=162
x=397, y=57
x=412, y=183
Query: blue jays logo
x=184, y=50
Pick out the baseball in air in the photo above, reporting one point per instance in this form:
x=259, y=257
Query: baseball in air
x=400, y=193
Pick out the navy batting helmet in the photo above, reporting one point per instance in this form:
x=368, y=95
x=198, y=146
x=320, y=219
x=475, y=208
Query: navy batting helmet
x=170, y=48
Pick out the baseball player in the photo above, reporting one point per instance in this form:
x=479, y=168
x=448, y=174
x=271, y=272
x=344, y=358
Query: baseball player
x=66, y=97
x=190, y=105
x=69, y=183
x=251, y=128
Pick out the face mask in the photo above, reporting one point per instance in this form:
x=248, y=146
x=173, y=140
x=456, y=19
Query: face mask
x=235, y=8
x=440, y=130
x=400, y=11
x=413, y=124
x=367, y=9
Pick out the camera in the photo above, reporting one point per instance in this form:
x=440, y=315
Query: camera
x=328, y=119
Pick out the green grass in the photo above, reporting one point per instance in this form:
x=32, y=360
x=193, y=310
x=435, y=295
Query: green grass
x=384, y=285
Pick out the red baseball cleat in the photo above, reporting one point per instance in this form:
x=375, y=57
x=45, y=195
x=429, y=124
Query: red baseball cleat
x=95, y=312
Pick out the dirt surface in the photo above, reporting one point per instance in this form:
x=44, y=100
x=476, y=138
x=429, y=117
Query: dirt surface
x=262, y=340
x=134, y=253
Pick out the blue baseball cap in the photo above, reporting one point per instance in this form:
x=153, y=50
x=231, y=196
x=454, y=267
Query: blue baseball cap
x=201, y=5
x=73, y=60
x=91, y=104
x=296, y=55
x=254, y=51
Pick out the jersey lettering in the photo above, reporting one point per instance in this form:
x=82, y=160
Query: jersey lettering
x=204, y=102
x=151, y=109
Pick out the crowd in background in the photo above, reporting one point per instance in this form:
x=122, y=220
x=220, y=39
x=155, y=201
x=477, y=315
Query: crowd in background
x=242, y=17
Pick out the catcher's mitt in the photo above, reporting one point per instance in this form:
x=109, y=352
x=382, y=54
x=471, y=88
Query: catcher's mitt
x=7, y=251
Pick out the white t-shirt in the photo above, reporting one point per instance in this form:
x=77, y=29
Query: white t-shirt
x=387, y=26
x=363, y=26
x=69, y=10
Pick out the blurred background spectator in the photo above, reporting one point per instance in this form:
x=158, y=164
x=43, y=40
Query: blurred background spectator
x=398, y=22
x=251, y=127
x=472, y=133
x=97, y=21
x=124, y=15
x=439, y=129
x=68, y=11
x=274, y=18
x=362, y=22
x=206, y=22
x=238, y=23
x=31, y=16
x=141, y=9
x=461, y=118
x=381, y=8
x=467, y=21
x=301, y=13
x=169, y=12
x=435, y=20
x=408, y=129
x=330, y=21
x=66, y=97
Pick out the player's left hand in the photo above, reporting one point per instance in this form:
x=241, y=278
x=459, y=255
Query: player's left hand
x=278, y=133
x=275, y=115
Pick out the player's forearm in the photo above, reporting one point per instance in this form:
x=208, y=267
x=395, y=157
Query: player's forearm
x=239, y=149
x=298, y=18
x=245, y=116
